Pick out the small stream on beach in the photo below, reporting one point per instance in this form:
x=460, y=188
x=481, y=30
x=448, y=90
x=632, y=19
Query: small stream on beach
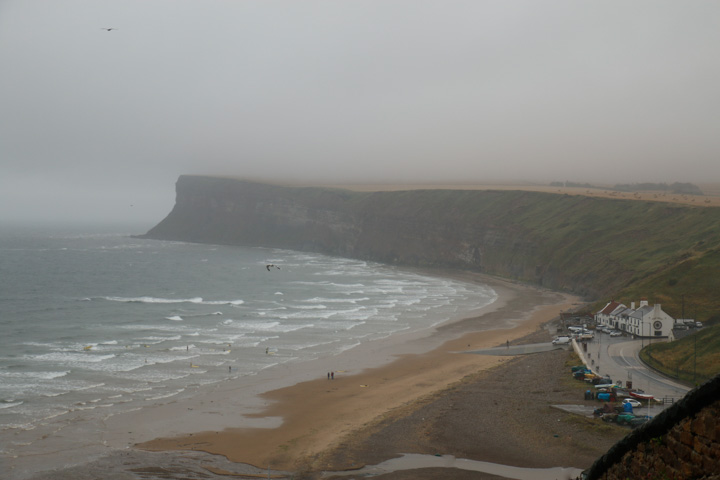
x=411, y=461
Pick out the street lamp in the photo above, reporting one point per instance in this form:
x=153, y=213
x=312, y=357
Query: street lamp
x=642, y=329
x=695, y=360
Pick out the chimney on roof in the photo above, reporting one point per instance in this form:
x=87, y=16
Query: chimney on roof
x=632, y=305
x=643, y=302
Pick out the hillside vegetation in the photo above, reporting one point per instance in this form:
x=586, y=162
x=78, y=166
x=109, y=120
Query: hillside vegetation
x=601, y=248
x=693, y=359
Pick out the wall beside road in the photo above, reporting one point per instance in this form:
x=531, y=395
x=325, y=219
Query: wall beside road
x=681, y=442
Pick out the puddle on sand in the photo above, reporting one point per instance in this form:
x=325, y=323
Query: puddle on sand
x=411, y=461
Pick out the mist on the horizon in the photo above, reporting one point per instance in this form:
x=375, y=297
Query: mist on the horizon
x=96, y=125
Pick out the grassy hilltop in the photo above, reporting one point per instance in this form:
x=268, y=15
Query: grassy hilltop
x=602, y=248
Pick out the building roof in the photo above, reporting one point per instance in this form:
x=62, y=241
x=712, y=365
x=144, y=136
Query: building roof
x=641, y=312
x=610, y=307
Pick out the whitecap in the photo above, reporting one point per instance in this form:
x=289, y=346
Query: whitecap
x=64, y=358
x=175, y=318
x=154, y=300
x=166, y=395
x=224, y=302
x=256, y=326
x=322, y=300
x=153, y=340
x=40, y=375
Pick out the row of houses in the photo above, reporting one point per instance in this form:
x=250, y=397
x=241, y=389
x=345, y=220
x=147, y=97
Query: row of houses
x=644, y=321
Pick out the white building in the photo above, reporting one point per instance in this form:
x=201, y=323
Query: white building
x=645, y=321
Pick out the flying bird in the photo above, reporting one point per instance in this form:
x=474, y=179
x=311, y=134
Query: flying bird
x=269, y=266
x=108, y=28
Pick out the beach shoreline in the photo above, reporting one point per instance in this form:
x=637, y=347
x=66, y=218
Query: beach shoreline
x=307, y=416
x=286, y=416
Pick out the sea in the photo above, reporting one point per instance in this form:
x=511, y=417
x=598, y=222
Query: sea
x=96, y=322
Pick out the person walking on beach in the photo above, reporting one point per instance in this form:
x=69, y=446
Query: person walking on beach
x=328, y=375
x=332, y=375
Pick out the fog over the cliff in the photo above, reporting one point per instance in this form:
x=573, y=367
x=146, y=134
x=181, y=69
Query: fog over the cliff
x=98, y=123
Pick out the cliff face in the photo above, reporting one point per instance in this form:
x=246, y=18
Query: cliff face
x=594, y=247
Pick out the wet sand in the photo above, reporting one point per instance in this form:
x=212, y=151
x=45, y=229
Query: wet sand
x=293, y=419
x=372, y=381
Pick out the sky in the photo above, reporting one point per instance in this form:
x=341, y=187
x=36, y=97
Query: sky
x=97, y=125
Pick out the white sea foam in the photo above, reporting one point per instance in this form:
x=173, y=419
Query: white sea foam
x=39, y=375
x=161, y=300
x=154, y=329
x=157, y=339
x=165, y=395
x=69, y=358
x=323, y=300
x=154, y=300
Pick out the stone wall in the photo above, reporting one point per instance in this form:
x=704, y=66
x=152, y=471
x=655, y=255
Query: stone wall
x=683, y=442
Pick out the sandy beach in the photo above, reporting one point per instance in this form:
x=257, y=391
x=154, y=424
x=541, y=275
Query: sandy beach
x=318, y=414
x=412, y=393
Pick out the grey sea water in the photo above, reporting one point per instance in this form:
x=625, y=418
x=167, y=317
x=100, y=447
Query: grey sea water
x=94, y=323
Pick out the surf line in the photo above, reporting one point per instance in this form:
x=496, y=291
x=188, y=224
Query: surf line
x=411, y=461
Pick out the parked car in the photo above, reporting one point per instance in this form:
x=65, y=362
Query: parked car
x=633, y=402
x=561, y=341
x=615, y=333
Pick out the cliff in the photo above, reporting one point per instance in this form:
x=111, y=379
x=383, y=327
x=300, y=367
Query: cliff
x=599, y=248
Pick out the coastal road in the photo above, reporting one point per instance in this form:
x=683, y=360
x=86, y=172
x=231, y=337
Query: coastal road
x=513, y=350
x=619, y=359
x=616, y=357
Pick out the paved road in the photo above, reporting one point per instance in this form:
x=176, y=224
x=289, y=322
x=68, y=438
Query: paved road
x=517, y=349
x=618, y=358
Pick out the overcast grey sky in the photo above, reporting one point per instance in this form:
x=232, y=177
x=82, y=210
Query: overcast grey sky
x=99, y=124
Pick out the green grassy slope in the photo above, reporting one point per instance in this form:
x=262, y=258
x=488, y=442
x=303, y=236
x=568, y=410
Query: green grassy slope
x=693, y=359
x=617, y=249
x=600, y=248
